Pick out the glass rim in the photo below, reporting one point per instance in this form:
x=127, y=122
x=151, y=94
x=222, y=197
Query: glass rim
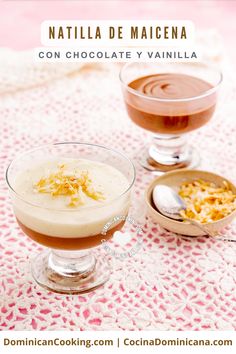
x=104, y=204
x=151, y=98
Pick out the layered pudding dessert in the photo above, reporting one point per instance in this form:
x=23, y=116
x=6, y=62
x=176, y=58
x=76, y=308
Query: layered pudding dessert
x=65, y=203
x=165, y=104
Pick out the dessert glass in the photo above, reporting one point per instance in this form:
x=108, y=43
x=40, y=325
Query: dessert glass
x=69, y=266
x=169, y=119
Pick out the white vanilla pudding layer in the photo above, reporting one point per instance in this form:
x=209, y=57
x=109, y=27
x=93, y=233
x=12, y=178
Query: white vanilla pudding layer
x=52, y=215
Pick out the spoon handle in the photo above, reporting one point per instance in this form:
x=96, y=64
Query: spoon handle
x=204, y=228
x=208, y=232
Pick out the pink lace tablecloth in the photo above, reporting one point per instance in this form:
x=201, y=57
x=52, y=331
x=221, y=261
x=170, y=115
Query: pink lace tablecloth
x=172, y=283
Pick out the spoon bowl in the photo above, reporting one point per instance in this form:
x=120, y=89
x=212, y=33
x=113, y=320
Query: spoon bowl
x=168, y=202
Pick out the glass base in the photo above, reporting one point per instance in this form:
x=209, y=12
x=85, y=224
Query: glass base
x=156, y=165
x=69, y=272
x=167, y=153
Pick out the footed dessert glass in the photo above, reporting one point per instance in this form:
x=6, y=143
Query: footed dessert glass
x=50, y=212
x=169, y=100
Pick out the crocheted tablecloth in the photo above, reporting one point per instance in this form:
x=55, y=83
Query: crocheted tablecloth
x=172, y=282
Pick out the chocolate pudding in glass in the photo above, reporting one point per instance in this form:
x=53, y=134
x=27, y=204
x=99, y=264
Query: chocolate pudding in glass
x=169, y=100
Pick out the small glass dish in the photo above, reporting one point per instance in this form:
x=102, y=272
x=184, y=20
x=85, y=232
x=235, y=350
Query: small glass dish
x=159, y=98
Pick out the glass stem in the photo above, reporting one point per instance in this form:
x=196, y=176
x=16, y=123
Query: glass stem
x=70, y=264
x=169, y=149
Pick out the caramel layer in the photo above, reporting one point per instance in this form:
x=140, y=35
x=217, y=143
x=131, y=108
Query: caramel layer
x=66, y=243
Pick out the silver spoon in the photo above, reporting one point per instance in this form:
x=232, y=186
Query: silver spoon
x=169, y=203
